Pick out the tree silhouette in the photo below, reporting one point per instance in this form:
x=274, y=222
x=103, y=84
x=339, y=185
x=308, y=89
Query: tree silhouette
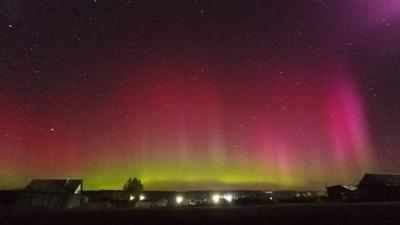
x=133, y=187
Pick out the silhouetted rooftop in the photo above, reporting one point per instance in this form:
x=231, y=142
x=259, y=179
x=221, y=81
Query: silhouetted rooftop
x=71, y=186
x=379, y=179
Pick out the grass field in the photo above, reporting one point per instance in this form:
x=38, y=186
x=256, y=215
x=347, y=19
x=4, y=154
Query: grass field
x=337, y=214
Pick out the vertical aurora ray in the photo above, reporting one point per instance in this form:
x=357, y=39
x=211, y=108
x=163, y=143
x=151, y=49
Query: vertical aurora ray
x=10, y=155
x=347, y=128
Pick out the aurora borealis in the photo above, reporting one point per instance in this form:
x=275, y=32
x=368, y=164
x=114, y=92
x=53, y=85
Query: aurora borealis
x=199, y=94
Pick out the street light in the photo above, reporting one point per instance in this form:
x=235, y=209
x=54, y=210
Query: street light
x=216, y=198
x=228, y=197
x=179, y=199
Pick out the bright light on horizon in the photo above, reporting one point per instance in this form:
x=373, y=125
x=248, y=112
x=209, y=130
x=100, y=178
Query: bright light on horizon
x=216, y=198
x=228, y=197
x=179, y=199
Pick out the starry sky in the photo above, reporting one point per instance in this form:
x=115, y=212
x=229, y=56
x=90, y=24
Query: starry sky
x=199, y=94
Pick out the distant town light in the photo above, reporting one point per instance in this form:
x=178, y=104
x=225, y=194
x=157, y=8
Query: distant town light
x=228, y=197
x=216, y=198
x=142, y=197
x=179, y=199
x=131, y=198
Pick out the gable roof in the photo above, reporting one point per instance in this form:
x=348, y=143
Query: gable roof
x=379, y=179
x=342, y=187
x=70, y=186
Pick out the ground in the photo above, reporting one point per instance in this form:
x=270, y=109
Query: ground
x=332, y=214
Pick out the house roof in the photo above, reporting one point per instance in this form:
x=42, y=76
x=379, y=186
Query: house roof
x=71, y=186
x=379, y=179
x=341, y=186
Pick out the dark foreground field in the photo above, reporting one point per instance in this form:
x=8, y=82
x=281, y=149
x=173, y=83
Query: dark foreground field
x=338, y=214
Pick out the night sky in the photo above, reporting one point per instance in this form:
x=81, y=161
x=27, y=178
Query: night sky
x=199, y=94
